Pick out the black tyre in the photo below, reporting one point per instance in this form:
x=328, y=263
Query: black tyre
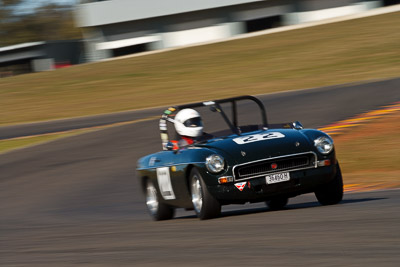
x=158, y=210
x=331, y=193
x=277, y=203
x=204, y=204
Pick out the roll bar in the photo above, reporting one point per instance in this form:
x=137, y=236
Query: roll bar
x=215, y=105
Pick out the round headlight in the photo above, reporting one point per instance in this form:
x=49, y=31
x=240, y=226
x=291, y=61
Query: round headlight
x=215, y=163
x=324, y=144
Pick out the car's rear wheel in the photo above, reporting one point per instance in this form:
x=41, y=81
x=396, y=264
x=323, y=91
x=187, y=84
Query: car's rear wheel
x=331, y=193
x=158, y=210
x=277, y=203
x=204, y=204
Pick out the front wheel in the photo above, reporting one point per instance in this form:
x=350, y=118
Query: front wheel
x=204, y=204
x=158, y=210
x=332, y=192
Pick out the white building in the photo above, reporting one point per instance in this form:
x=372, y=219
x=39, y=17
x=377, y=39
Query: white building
x=120, y=27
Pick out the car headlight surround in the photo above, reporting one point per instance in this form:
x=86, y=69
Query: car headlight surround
x=215, y=163
x=324, y=145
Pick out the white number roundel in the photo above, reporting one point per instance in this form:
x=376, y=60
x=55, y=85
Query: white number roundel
x=257, y=137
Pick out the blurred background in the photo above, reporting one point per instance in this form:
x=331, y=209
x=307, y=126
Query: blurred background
x=49, y=34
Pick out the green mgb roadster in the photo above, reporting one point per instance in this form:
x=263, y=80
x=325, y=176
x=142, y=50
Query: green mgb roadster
x=232, y=155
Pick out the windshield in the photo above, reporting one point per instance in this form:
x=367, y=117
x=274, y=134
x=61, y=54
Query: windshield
x=217, y=119
x=248, y=118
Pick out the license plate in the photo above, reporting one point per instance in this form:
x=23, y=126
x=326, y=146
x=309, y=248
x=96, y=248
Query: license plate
x=277, y=178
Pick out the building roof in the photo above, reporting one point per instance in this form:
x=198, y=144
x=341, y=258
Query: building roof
x=116, y=11
x=20, y=46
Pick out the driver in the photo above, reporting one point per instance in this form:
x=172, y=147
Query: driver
x=189, y=126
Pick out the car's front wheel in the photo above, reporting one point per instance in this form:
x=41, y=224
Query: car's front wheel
x=204, y=204
x=331, y=193
x=158, y=210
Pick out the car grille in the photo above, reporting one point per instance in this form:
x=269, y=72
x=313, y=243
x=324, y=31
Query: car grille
x=263, y=167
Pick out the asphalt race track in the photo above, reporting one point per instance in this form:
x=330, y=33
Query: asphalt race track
x=76, y=201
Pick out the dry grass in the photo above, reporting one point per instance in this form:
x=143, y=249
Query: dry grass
x=370, y=154
x=355, y=50
x=12, y=144
x=8, y=145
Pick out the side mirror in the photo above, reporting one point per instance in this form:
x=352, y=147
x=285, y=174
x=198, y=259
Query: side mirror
x=169, y=146
x=297, y=125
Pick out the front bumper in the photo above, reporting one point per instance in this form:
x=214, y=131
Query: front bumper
x=256, y=190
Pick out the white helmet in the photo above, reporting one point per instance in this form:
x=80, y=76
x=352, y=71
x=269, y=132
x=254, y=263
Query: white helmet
x=188, y=123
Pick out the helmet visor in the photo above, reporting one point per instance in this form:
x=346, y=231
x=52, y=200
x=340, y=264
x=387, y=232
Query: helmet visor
x=193, y=122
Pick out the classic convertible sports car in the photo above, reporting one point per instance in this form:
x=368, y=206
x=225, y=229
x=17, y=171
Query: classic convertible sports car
x=245, y=162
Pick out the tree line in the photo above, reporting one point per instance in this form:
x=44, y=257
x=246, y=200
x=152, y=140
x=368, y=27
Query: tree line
x=45, y=23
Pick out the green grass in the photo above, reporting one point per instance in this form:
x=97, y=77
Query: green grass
x=350, y=51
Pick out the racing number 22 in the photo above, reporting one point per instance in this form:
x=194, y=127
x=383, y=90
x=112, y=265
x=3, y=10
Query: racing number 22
x=258, y=137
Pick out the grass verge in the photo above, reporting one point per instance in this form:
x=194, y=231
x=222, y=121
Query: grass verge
x=343, y=52
x=369, y=154
x=12, y=144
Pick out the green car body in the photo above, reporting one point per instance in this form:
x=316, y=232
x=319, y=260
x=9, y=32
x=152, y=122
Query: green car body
x=266, y=164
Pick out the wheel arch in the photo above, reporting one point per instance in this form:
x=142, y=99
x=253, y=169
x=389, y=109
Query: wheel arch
x=189, y=169
x=143, y=179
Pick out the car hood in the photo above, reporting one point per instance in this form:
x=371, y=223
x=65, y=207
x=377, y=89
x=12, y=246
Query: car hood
x=259, y=145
